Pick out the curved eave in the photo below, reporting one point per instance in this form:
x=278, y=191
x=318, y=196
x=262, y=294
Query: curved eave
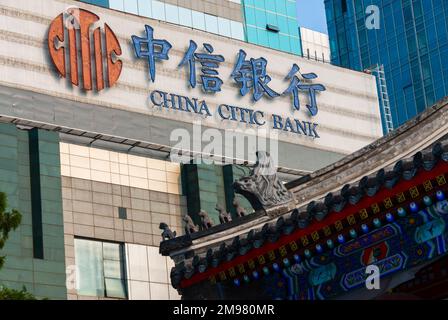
x=402, y=186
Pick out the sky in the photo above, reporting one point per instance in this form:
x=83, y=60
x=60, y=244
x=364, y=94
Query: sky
x=311, y=15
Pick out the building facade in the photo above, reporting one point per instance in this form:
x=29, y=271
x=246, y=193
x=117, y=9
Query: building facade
x=273, y=24
x=106, y=138
x=224, y=18
x=371, y=226
x=409, y=40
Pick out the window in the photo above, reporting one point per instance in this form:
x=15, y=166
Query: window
x=100, y=269
x=144, y=8
x=252, y=34
x=280, y=7
x=122, y=213
x=158, y=10
x=116, y=4
x=211, y=23
x=250, y=16
x=237, y=30
x=198, y=20
x=291, y=9
x=224, y=27
x=284, y=43
x=185, y=17
x=344, y=6
x=131, y=6
x=172, y=13
x=101, y=3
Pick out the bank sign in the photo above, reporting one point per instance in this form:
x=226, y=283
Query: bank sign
x=72, y=43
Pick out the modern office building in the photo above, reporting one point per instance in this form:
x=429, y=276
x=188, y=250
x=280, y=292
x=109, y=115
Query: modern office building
x=273, y=24
x=106, y=126
x=410, y=43
x=315, y=45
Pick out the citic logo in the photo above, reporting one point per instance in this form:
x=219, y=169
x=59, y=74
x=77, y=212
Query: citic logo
x=81, y=51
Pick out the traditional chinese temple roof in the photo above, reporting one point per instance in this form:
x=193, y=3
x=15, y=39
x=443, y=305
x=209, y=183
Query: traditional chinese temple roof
x=371, y=187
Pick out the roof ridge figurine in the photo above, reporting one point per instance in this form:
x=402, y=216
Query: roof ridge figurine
x=224, y=216
x=240, y=211
x=167, y=234
x=206, y=222
x=190, y=227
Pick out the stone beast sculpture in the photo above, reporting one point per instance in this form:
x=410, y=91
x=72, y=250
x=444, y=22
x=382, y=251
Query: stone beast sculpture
x=206, y=221
x=167, y=234
x=240, y=211
x=262, y=188
x=224, y=216
x=190, y=227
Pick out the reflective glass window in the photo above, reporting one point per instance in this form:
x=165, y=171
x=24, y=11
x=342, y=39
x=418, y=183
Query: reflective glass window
x=270, y=5
x=271, y=19
x=280, y=6
x=252, y=34
x=273, y=40
x=291, y=9
x=100, y=268
x=295, y=46
x=89, y=268
x=185, y=17
x=293, y=27
x=260, y=17
x=131, y=6
x=224, y=27
x=171, y=13
x=198, y=20
x=250, y=16
x=144, y=8
x=284, y=43
x=237, y=29
x=263, y=38
x=249, y=2
x=116, y=4
x=282, y=23
x=158, y=10
x=211, y=23
x=101, y=3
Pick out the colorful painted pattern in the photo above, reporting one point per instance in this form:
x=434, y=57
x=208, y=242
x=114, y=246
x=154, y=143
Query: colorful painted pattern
x=418, y=237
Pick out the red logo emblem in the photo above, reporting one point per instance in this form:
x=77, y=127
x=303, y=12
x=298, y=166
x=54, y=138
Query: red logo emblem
x=70, y=44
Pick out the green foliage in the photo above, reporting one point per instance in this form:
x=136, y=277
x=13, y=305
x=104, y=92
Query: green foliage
x=11, y=294
x=8, y=221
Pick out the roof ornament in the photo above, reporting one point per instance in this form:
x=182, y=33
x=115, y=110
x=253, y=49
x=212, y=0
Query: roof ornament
x=167, y=234
x=263, y=188
x=206, y=222
x=240, y=211
x=190, y=227
x=224, y=216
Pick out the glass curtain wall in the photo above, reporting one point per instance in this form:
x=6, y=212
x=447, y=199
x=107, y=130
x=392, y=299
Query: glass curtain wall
x=411, y=43
x=273, y=24
x=178, y=15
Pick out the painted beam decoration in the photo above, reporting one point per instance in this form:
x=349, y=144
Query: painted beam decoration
x=415, y=235
x=394, y=220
